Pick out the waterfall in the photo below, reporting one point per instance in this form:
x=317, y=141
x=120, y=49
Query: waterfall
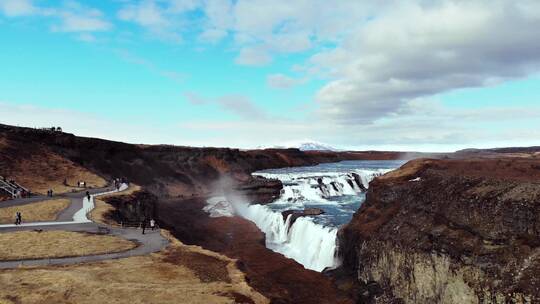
x=309, y=243
x=319, y=186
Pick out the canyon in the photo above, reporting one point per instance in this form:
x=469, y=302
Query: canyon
x=454, y=228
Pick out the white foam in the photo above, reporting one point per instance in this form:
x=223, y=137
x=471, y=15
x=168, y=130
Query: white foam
x=301, y=187
x=312, y=245
x=218, y=206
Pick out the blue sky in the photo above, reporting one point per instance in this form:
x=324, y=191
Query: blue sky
x=426, y=75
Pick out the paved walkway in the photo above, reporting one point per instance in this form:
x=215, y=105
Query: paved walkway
x=38, y=198
x=74, y=218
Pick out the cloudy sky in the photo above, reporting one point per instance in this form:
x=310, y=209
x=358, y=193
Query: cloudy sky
x=409, y=75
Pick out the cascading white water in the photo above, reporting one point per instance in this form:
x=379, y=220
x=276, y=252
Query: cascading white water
x=307, y=241
x=311, y=245
x=318, y=186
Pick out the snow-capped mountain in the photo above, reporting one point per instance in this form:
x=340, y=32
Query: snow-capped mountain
x=313, y=146
x=305, y=146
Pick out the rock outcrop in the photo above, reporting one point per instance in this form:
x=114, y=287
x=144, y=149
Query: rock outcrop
x=135, y=207
x=260, y=190
x=295, y=214
x=448, y=231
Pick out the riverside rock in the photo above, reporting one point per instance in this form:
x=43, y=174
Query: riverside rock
x=295, y=214
x=448, y=231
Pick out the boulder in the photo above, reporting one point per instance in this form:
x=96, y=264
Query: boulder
x=299, y=213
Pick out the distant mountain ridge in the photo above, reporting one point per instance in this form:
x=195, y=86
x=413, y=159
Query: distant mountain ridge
x=305, y=146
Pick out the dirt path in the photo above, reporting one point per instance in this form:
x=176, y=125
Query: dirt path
x=74, y=219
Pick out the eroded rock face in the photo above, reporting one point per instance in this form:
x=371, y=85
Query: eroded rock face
x=135, y=207
x=260, y=190
x=358, y=181
x=450, y=231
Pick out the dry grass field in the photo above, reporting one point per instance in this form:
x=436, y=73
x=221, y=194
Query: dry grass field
x=43, y=169
x=34, y=212
x=178, y=274
x=53, y=244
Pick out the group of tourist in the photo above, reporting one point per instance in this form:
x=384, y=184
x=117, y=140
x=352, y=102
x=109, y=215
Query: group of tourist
x=152, y=224
x=80, y=184
x=118, y=182
x=50, y=193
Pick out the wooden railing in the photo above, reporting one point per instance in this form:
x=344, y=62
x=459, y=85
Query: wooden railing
x=133, y=224
x=137, y=224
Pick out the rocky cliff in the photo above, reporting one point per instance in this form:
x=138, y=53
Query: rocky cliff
x=131, y=208
x=166, y=171
x=448, y=231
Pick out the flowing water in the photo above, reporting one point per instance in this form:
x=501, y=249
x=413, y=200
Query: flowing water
x=336, y=188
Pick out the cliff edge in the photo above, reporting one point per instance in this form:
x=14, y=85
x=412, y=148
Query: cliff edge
x=448, y=231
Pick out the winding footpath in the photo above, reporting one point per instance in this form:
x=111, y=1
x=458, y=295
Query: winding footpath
x=74, y=218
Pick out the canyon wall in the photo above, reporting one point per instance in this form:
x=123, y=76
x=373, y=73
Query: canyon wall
x=448, y=231
x=166, y=171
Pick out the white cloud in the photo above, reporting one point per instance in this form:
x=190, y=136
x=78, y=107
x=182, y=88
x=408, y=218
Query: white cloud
x=280, y=81
x=283, y=27
x=86, y=37
x=219, y=15
x=432, y=128
x=260, y=28
x=128, y=56
x=81, y=22
x=72, y=16
x=236, y=104
x=16, y=8
x=146, y=13
x=180, y=6
x=412, y=51
x=212, y=35
x=255, y=56
x=162, y=19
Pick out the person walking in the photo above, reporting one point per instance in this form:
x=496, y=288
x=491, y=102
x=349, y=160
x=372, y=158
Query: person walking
x=143, y=224
x=18, y=218
x=88, y=195
x=152, y=224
